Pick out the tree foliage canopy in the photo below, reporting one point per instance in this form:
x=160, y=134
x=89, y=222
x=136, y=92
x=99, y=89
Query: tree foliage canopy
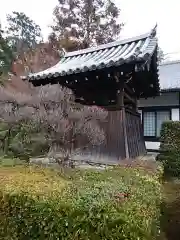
x=20, y=36
x=43, y=56
x=89, y=22
x=23, y=32
x=6, y=54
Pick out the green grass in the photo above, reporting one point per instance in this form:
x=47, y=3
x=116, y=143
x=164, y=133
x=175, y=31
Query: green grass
x=33, y=181
x=10, y=162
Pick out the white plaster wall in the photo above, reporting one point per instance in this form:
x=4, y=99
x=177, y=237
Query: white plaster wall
x=152, y=145
x=175, y=114
x=166, y=99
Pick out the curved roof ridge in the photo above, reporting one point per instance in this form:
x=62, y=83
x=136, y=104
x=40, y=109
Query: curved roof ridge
x=107, y=45
x=116, y=43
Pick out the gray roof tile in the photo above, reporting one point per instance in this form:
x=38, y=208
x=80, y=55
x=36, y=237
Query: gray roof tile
x=106, y=55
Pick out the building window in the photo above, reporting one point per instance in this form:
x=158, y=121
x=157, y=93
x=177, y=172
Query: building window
x=149, y=124
x=152, y=122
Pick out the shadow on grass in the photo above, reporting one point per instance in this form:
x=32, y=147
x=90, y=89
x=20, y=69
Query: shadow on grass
x=170, y=212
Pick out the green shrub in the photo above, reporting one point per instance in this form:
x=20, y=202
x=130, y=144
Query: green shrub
x=37, y=203
x=6, y=161
x=22, y=141
x=170, y=148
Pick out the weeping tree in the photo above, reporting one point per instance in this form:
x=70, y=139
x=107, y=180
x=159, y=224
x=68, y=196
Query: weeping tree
x=53, y=118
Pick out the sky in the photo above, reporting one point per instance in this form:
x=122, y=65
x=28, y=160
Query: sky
x=139, y=17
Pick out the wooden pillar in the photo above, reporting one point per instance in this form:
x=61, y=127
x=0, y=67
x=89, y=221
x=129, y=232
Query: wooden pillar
x=120, y=103
x=136, y=105
x=123, y=112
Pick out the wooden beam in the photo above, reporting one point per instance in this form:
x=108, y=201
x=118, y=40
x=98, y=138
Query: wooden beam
x=120, y=91
x=120, y=102
x=114, y=107
x=131, y=99
x=120, y=98
x=136, y=105
x=128, y=89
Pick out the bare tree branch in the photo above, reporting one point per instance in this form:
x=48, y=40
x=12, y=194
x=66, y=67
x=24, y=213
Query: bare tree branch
x=52, y=109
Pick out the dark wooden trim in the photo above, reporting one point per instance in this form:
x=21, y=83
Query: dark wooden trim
x=153, y=150
x=151, y=139
x=120, y=99
x=170, y=114
x=128, y=89
x=125, y=133
x=131, y=99
x=120, y=91
x=136, y=104
x=159, y=108
x=132, y=112
x=156, y=123
x=143, y=122
x=120, y=102
x=170, y=90
x=115, y=107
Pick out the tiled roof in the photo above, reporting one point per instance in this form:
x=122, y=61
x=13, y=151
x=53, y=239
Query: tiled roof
x=169, y=76
x=103, y=56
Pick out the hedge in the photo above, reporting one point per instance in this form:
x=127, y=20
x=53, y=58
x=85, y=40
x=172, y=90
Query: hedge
x=170, y=148
x=37, y=203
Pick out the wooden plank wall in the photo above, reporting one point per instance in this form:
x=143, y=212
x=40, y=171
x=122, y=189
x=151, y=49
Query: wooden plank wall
x=113, y=149
x=134, y=134
x=114, y=145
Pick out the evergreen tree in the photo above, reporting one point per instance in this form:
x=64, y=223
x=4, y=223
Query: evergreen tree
x=6, y=54
x=23, y=32
x=87, y=22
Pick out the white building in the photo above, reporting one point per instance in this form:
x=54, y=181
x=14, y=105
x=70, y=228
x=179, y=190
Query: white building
x=156, y=110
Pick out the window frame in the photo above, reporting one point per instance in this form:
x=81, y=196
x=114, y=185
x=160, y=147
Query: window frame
x=154, y=110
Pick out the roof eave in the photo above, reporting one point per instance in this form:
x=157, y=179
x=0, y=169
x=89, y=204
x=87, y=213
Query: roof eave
x=137, y=56
x=170, y=90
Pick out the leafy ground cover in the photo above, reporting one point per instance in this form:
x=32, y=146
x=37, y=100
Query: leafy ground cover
x=119, y=203
x=170, y=210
